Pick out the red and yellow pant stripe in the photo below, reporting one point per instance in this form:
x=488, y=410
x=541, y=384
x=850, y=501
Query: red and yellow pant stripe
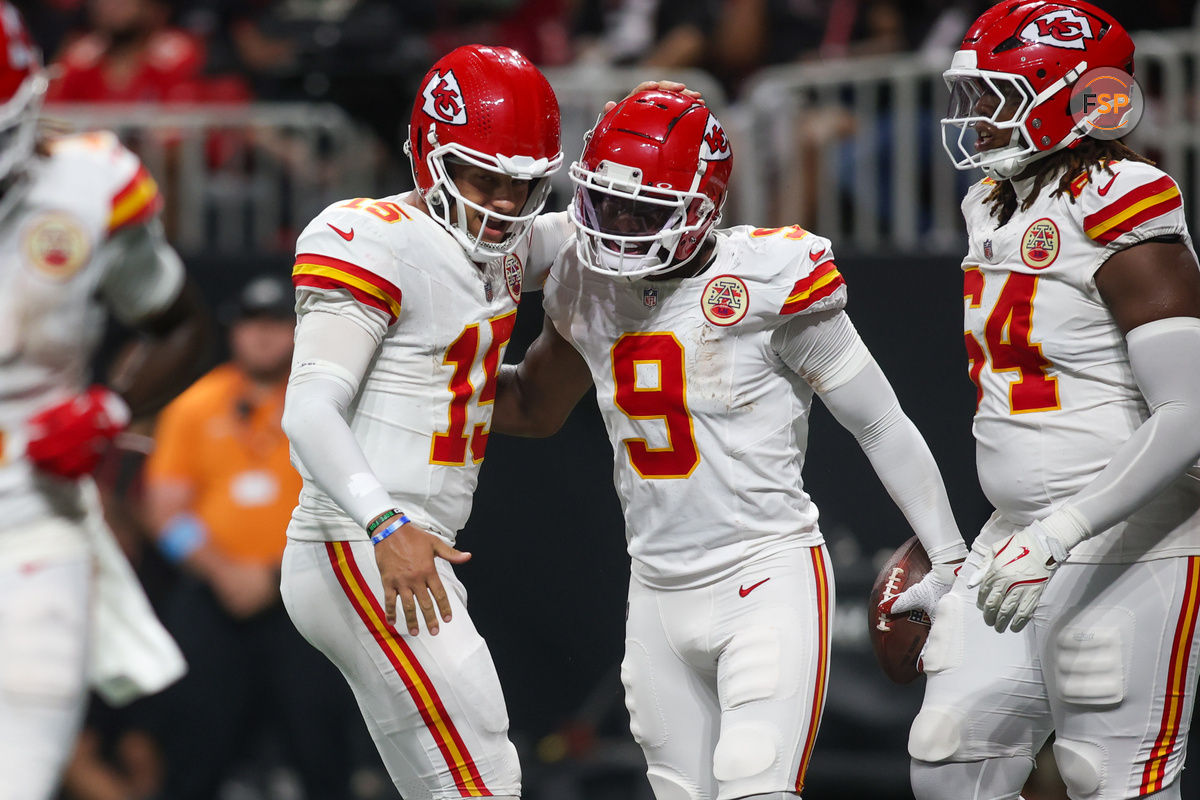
x=821, y=684
x=417, y=683
x=1176, y=700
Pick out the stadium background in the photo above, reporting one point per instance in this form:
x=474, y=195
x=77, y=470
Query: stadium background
x=257, y=114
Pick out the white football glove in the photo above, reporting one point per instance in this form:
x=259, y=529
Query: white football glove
x=1011, y=584
x=925, y=593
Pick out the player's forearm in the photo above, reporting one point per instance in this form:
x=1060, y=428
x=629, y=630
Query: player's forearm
x=1165, y=357
x=867, y=407
x=516, y=412
x=314, y=423
x=169, y=355
x=331, y=356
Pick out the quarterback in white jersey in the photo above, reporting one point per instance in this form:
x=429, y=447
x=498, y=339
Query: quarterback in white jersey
x=705, y=347
x=1082, y=297
x=80, y=239
x=406, y=305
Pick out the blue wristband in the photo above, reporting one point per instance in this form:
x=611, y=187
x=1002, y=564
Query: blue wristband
x=399, y=522
x=183, y=535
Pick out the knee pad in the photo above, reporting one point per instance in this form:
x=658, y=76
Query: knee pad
x=1081, y=766
x=743, y=751
x=477, y=682
x=669, y=787
x=935, y=734
x=750, y=667
x=646, y=721
x=1089, y=665
x=987, y=779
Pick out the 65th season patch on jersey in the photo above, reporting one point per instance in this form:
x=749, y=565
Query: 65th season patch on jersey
x=56, y=245
x=725, y=300
x=1039, y=245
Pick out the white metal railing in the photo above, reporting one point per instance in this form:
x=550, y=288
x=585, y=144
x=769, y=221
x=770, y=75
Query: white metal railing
x=242, y=177
x=853, y=150
x=849, y=148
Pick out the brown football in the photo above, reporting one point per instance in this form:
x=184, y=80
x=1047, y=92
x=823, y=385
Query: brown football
x=898, y=638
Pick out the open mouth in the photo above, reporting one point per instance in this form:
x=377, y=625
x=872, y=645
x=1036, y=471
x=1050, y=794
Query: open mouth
x=495, y=231
x=986, y=137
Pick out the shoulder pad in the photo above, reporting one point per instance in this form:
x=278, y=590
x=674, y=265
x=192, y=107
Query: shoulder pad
x=349, y=246
x=134, y=194
x=1133, y=196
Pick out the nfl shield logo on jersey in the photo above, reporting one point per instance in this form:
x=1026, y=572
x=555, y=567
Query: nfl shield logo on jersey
x=987, y=249
x=649, y=297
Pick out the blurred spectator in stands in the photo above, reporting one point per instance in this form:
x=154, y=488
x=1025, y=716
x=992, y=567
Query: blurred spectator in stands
x=49, y=21
x=219, y=493
x=131, y=54
x=658, y=33
x=364, y=55
x=539, y=29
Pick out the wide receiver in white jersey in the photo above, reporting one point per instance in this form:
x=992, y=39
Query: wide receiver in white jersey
x=1082, y=298
x=80, y=240
x=705, y=347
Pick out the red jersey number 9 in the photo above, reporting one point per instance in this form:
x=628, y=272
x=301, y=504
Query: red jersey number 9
x=667, y=401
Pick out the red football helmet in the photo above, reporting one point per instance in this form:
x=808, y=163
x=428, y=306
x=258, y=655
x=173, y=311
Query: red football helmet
x=490, y=107
x=1014, y=72
x=650, y=184
x=22, y=87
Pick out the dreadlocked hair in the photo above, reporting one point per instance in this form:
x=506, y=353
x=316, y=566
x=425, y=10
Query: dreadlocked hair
x=1090, y=154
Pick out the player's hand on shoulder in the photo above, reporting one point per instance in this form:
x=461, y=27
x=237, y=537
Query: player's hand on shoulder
x=69, y=438
x=409, y=574
x=662, y=86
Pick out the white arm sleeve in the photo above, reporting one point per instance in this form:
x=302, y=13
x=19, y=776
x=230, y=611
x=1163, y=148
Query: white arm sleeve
x=144, y=274
x=824, y=348
x=1165, y=357
x=866, y=406
x=332, y=354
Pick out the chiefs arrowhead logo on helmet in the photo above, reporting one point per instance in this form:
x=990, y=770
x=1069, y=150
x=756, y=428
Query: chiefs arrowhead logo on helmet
x=443, y=99
x=716, y=143
x=1060, y=28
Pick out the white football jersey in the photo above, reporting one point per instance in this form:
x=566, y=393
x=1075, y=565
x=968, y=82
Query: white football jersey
x=423, y=412
x=61, y=272
x=1056, y=393
x=707, y=423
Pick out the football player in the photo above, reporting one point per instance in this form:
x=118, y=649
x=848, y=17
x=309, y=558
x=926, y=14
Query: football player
x=705, y=346
x=81, y=240
x=406, y=305
x=1082, y=299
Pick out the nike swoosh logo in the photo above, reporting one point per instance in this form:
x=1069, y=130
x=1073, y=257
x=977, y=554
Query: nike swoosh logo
x=743, y=591
x=1024, y=552
x=342, y=233
x=1103, y=190
x=817, y=255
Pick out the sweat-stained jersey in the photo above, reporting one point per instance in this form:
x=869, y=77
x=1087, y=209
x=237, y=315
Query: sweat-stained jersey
x=61, y=273
x=424, y=408
x=707, y=423
x=1056, y=393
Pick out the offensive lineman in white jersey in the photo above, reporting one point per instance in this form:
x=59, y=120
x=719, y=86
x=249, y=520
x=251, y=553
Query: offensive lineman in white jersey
x=405, y=308
x=705, y=347
x=80, y=240
x=1082, y=299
